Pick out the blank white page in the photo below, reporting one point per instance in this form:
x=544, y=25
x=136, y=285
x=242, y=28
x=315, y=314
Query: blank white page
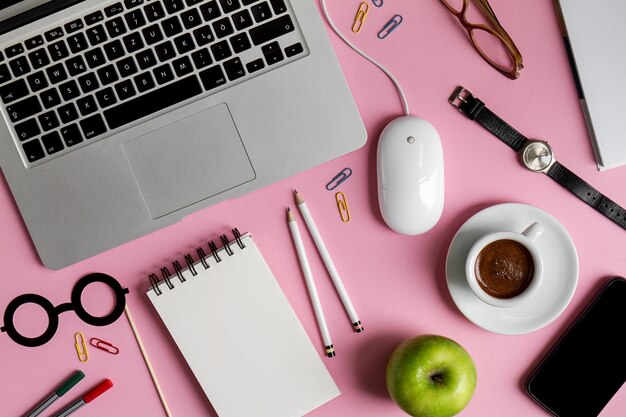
x=240, y=336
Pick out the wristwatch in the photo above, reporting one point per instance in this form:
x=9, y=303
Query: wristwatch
x=536, y=155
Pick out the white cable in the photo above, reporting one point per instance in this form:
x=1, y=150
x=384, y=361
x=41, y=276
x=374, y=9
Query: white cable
x=364, y=55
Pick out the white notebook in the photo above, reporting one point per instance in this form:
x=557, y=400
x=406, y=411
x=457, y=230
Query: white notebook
x=239, y=335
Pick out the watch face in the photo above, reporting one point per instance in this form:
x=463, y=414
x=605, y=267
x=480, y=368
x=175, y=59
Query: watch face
x=537, y=156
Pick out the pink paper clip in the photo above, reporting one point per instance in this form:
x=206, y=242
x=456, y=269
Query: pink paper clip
x=104, y=345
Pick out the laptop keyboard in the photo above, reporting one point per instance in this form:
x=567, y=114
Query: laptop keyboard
x=92, y=76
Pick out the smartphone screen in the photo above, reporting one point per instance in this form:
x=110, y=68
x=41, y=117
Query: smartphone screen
x=587, y=366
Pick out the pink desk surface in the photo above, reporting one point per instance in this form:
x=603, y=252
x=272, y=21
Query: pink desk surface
x=397, y=283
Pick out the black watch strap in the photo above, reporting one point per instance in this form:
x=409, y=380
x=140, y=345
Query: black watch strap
x=475, y=109
x=587, y=193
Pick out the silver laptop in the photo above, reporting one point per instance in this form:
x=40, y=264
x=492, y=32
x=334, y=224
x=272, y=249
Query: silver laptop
x=121, y=117
x=594, y=34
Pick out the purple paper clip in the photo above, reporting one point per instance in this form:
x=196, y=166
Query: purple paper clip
x=377, y=3
x=338, y=179
x=390, y=26
x=104, y=345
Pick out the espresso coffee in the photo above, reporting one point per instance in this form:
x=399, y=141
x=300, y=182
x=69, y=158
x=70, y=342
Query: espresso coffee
x=504, y=268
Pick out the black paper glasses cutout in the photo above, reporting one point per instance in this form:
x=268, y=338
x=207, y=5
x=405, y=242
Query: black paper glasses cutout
x=490, y=40
x=54, y=312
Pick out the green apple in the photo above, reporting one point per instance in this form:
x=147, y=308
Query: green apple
x=431, y=376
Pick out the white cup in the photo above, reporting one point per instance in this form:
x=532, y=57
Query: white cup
x=527, y=239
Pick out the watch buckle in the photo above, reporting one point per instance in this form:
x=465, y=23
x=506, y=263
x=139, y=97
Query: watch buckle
x=459, y=96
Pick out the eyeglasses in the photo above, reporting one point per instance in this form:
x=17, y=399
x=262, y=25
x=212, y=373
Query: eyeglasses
x=490, y=40
x=54, y=312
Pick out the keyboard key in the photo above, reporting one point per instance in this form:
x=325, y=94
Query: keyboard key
x=71, y=135
x=144, y=82
x=152, y=34
x=271, y=30
x=27, y=129
x=230, y=5
x=58, y=50
x=154, y=11
x=94, y=18
x=96, y=35
x=107, y=75
x=240, y=42
x=106, y=98
x=278, y=6
x=193, y=2
x=294, y=49
x=93, y=126
x=132, y=3
x=212, y=77
x=163, y=74
x=153, y=102
x=56, y=73
x=114, y=50
x=201, y=58
x=223, y=27
x=182, y=66
x=14, y=50
x=53, y=34
x=69, y=90
x=77, y=43
x=88, y=82
x=255, y=65
x=19, y=66
x=272, y=53
x=68, y=112
x=24, y=109
x=33, y=150
x=126, y=67
x=37, y=81
x=234, y=69
x=34, y=42
x=14, y=91
x=48, y=121
x=165, y=51
x=1, y=56
x=73, y=26
x=115, y=27
x=125, y=89
x=203, y=35
x=221, y=50
x=133, y=42
x=86, y=105
x=248, y=2
x=113, y=9
x=172, y=26
x=39, y=58
x=210, y=11
x=5, y=74
x=50, y=98
x=95, y=58
x=76, y=65
x=261, y=12
x=242, y=20
x=135, y=19
x=184, y=43
x=173, y=6
x=146, y=59
x=52, y=142
x=191, y=19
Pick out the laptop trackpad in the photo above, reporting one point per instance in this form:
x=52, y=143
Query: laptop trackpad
x=189, y=160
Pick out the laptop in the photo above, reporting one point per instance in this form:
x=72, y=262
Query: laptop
x=594, y=34
x=122, y=117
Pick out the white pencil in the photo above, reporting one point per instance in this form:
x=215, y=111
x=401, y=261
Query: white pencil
x=330, y=266
x=308, y=277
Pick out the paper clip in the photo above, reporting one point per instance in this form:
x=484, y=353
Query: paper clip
x=342, y=204
x=81, y=347
x=104, y=345
x=390, y=26
x=378, y=3
x=338, y=179
x=361, y=14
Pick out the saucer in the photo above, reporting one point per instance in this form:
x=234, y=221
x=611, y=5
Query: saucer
x=559, y=279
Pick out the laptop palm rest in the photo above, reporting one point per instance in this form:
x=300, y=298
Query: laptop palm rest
x=189, y=160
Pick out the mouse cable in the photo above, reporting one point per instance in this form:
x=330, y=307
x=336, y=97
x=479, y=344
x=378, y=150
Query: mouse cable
x=364, y=55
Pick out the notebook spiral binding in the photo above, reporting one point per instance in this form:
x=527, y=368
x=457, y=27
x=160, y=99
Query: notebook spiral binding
x=191, y=265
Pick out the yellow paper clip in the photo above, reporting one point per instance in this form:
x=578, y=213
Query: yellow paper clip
x=81, y=347
x=361, y=14
x=342, y=204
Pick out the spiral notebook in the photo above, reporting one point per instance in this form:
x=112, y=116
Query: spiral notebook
x=239, y=334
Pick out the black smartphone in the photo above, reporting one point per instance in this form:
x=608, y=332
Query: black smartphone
x=587, y=366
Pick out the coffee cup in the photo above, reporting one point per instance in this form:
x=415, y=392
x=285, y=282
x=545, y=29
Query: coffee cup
x=505, y=268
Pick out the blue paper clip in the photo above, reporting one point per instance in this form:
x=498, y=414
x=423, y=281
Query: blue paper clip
x=377, y=3
x=390, y=26
x=338, y=179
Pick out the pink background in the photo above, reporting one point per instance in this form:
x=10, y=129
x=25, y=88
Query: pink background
x=397, y=283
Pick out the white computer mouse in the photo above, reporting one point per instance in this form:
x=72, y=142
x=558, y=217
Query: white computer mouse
x=410, y=175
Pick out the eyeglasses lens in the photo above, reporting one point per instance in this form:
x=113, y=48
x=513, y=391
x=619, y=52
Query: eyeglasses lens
x=493, y=49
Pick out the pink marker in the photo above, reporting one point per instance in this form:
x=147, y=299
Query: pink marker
x=87, y=398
